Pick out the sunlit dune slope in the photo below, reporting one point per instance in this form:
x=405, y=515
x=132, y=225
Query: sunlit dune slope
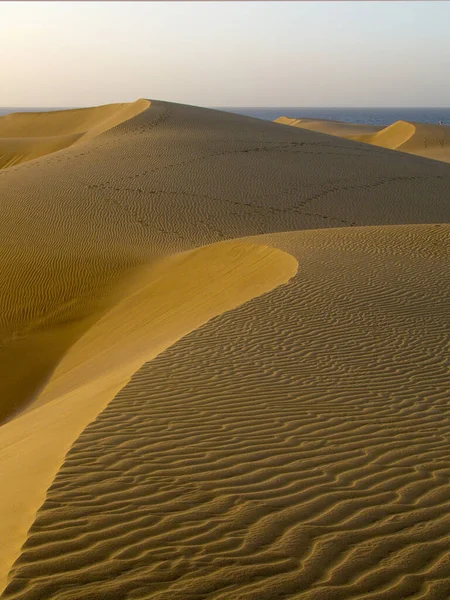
x=394, y=136
x=431, y=141
x=75, y=223
x=423, y=139
x=281, y=449
x=154, y=307
x=339, y=128
x=121, y=251
x=25, y=136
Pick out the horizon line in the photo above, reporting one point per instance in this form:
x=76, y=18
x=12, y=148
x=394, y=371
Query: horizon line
x=242, y=106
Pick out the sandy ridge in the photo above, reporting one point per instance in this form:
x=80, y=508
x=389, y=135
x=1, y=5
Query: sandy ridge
x=29, y=135
x=195, y=287
x=294, y=446
x=423, y=139
x=161, y=201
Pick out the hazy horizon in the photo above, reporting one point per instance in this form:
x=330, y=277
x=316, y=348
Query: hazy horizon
x=220, y=54
x=262, y=107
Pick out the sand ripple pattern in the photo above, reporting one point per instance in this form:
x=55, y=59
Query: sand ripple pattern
x=296, y=447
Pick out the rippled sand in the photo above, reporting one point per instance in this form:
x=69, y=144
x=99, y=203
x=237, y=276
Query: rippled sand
x=224, y=364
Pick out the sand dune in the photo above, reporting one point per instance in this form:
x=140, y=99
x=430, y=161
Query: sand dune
x=394, y=136
x=423, y=139
x=283, y=430
x=294, y=446
x=29, y=135
x=339, y=128
x=431, y=141
x=195, y=286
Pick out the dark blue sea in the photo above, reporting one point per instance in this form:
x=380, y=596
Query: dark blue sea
x=369, y=116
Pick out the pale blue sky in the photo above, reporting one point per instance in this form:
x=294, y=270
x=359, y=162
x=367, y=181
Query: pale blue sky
x=226, y=54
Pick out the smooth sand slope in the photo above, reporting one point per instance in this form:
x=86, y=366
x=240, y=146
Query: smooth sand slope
x=423, y=139
x=293, y=446
x=25, y=136
x=338, y=128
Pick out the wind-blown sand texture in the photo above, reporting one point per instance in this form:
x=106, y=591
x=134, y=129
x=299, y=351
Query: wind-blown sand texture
x=224, y=365
x=423, y=139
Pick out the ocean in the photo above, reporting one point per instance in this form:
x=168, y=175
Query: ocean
x=369, y=116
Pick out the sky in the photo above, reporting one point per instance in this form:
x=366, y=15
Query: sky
x=333, y=54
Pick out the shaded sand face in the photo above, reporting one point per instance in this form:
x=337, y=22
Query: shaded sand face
x=423, y=139
x=216, y=383
x=159, y=305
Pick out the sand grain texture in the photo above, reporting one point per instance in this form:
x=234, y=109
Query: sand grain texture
x=241, y=392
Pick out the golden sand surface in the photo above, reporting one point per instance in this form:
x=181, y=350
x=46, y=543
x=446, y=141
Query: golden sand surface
x=338, y=128
x=29, y=135
x=424, y=139
x=224, y=364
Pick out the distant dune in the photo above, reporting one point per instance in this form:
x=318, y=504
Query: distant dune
x=431, y=141
x=29, y=135
x=224, y=363
x=338, y=128
x=423, y=139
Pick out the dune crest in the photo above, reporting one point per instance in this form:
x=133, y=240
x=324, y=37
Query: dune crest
x=158, y=305
x=29, y=135
x=281, y=449
x=393, y=137
x=250, y=432
x=423, y=139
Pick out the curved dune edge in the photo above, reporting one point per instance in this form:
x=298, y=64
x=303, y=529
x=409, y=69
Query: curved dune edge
x=164, y=303
x=26, y=136
x=294, y=447
x=422, y=139
x=392, y=137
x=178, y=177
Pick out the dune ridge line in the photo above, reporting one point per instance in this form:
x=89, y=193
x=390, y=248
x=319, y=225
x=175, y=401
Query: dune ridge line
x=29, y=135
x=224, y=361
x=158, y=305
x=423, y=139
x=275, y=462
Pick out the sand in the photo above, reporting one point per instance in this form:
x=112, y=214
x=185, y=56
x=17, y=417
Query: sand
x=423, y=139
x=224, y=364
x=29, y=135
x=339, y=128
